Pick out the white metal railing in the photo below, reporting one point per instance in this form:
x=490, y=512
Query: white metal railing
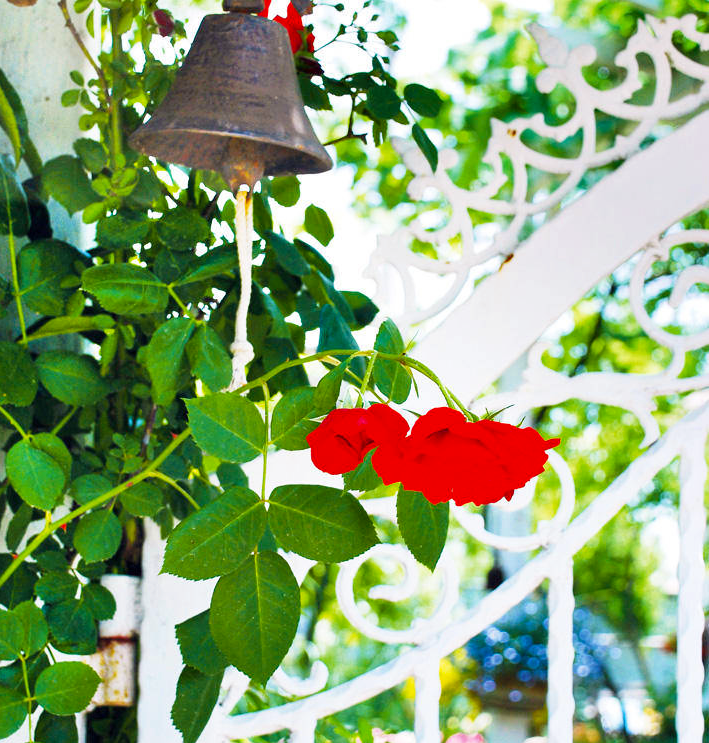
x=668, y=181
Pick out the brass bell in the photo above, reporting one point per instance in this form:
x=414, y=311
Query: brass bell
x=235, y=106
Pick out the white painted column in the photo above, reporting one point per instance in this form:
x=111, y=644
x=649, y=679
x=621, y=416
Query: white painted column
x=690, y=616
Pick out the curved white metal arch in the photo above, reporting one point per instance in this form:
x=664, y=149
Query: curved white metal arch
x=567, y=256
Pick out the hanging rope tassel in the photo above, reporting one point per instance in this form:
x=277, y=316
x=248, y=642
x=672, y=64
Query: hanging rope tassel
x=242, y=351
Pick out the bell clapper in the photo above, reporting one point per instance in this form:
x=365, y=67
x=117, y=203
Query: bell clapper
x=242, y=351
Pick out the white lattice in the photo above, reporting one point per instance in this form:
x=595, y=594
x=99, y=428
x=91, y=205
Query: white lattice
x=450, y=625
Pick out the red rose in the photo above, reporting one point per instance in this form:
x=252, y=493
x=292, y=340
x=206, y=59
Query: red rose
x=164, y=21
x=341, y=441
x=293, y=23
x=446, y=457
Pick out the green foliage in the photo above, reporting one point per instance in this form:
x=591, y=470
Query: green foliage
x=66, y=688
x=391, y=377
x=423, y=526
x=320, y=523
x=227, y=426
x=197, y=694
x=262, y=597
x=216, y=539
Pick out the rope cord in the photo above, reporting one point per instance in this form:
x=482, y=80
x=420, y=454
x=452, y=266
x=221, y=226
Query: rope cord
x=242, y=351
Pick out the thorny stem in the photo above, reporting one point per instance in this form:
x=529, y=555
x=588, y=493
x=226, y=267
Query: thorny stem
x=350, y=124
x=365, y=381
x=116, y=139
x=50, y=528
x=15, y=424
x=181, y=304
x=64, y=420
x=166, y=478
x=15, y=278
x=72, y=28
x=26, y=680
x=266, y=401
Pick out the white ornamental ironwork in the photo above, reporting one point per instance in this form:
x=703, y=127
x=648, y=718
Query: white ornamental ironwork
x=519, y=201
x=681, y=186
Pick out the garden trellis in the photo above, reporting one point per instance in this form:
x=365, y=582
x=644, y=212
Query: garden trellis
x=634, y=211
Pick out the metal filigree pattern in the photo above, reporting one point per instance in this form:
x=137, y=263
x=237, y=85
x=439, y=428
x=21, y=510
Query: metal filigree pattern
x=519, y=201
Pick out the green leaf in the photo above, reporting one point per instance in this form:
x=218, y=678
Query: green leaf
x=231, y=474
x=126, y=289
x=383, y=102
x=72, y=627
x=64, y=179
x=165, y=357
x=92, y=153
x=34, y=627
x=38, y=478
x=335, y=334
x=142, y=499
x=99, y=601
x=208, y=358
x=328, y=390
x=318, y=224
x=17, y=527
x=198, y=647
x=13, y=710
x=68, y=325
x=14, y=214
x=254, y=614
x=182, y=228
x=11, y=635
x=290, y=424
x=425, y=145
x=320, y=523
x=53, y=729
x=73, y=379
x=363, y=477
x=286, y=190
x=215, y=539
x=70, y=97
x=54, y=588
x=423, y=100
x=313, y=95
x=87, y=487
x=287, y=254
x=391, y=377
x=215, y=262
x=9, y=124
x=66, y=688
x=363, y=309
x=56, y=448
x=18, y=378
x=228, y=426
x=423, y=526
x=42, y=266
x=122, y=230
x=98, y=535
x=19, y=586
x=195, y=698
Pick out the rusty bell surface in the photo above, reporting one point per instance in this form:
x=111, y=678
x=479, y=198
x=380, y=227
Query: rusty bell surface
x=235, y=105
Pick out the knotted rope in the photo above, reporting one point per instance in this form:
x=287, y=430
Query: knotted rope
x=242, y=351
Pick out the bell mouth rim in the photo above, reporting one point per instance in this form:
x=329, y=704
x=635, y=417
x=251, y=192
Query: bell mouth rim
x=319, y=162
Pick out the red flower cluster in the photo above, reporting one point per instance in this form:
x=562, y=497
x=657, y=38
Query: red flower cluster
x=340, y=442
x=293, y=23
x=444, y=456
